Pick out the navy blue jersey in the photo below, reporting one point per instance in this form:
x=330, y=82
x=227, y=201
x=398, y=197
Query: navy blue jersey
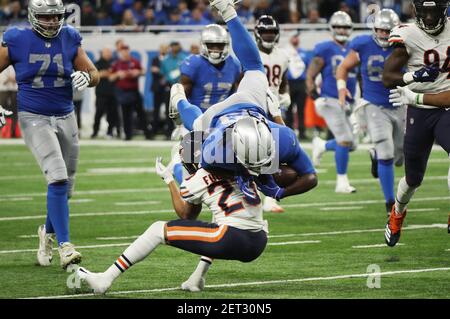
x=210, y=84
x=43, y=67
x=217, y=154
x=333, y=54
x=372, y=58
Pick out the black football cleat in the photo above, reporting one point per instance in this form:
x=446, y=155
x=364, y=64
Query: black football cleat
x=394, y=228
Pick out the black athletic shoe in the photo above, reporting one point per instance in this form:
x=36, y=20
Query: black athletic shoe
x=373, y=159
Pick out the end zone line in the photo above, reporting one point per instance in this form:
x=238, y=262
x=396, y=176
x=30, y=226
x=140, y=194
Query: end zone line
x=254, y=283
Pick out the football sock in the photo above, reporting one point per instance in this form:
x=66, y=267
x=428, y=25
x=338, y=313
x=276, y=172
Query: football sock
x=58, y=210
x=244, y=46
x=48, y=226
x=331, y=145
x=188, y=113
x=178, y=173
x=404, y=194
x=202, y=267
x=341, y=157
x=138, y=250
x=386, y=176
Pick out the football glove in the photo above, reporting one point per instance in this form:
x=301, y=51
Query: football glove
x=273, y=103
x=267, y=185
x=165, y=172
x=245, y=185
x=4, y=113
x=428, y=73
x=80, y=80
x=402, y=96
x=285, y=100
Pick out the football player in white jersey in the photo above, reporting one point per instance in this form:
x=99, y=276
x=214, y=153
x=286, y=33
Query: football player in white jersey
x=276, y=63
x=423, y=47
x=238, y=231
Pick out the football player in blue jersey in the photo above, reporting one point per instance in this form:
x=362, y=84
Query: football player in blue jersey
x=327, y=57
x=208, y=78
x=240, y=137
x=49, y=62
x=385, y=123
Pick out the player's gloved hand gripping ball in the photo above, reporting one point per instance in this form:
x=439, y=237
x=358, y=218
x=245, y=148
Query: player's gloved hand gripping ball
x=268, y=186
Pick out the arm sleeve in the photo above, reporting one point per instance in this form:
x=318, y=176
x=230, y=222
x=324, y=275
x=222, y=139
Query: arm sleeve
x=189, y=67
x=319, y=51
x=355, y=44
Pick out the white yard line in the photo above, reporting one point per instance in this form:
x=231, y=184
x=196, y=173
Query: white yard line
x=148, y=202
x=294, y=243
x=342, y=208
x=81, y=200
x=376, y=246
x=255, y=283
x=16, y=199
x=423, y=209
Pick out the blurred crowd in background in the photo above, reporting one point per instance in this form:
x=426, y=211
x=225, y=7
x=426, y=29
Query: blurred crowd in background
x=143, y=13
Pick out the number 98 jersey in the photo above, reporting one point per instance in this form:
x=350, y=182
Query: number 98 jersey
x=275, y=63
x=43, y=67
x=424, y=49
x=225, y=200
x=211, y=85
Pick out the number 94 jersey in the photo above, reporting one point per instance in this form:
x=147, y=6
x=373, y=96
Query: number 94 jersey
x=225, y=200
x=43, y=67
x=211, y=85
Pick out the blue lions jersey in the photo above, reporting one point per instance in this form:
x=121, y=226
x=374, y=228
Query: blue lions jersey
x=333, y=54
x=217, y=153
x=372, y=58
x=43, y=67
x=210, y=84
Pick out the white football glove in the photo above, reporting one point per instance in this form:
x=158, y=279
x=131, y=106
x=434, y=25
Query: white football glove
x=164, y=172
x=4, y=113
x=285, y=100
x=80, y=80
x=402, y=96
x=273, y=104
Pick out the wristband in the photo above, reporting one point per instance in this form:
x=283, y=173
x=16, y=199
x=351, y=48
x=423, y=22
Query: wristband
x=341, y=84
x=419, y=98
x=408, y=78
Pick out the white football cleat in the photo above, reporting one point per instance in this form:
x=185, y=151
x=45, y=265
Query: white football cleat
x=225, y=8
x=271, y=205
x=97, y=281
x=45, y=251
x=193, y=284
x=176, y=94
x=68, y=255
x=345, y=189
x=318, y=149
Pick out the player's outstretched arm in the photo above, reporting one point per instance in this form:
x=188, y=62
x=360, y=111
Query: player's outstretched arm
x=350, y=61
x=303, y=184
x=393, y=74
x=314, y=69
x=82, y=63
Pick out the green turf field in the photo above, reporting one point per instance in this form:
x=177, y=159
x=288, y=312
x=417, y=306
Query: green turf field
x=117, y=197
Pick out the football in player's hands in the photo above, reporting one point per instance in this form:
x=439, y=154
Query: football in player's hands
x=285, y=176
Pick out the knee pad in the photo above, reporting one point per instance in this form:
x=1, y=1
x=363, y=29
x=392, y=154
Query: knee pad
x=385, y=149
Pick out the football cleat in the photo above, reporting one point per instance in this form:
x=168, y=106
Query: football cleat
x=374, y=162
x=45, y=251
x=318, y=148
x=389, y=208
x=394, y=227
x=97, y=281
x=68, y=255
x=345, y=189
x=193, y=284
x=271, y=205
x=176, y=94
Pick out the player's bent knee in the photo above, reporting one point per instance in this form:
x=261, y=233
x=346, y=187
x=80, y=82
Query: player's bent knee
x=414, y=180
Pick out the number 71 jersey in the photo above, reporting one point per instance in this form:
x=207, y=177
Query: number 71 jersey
x=43, y=67
x=424, y=49
x=225, y=200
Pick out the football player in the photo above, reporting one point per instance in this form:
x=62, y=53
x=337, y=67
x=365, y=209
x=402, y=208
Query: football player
x=327, y=57
x=236, y=223
x=276, y=62
x=207, y=78
x=423, y=48
x=386, y=123
x=240, y=137
x=49, y=61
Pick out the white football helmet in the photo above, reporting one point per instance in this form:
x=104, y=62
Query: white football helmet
x=341, y=26
x=385, y=19
x=215, y=34
x=38, y=8
x=253, y=143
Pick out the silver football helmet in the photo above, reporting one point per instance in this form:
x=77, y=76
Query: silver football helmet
x=39, y=8
x=341, y=26
x=253, y=144
x=215, y=34
x=386, y=20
